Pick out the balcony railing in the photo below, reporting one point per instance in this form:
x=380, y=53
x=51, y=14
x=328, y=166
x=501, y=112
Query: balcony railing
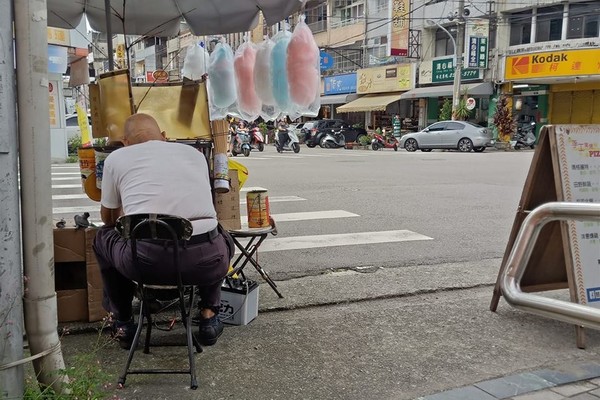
x=346, y=22
x=318, y=26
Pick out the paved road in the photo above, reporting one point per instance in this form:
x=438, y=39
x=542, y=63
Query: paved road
x=340, y=209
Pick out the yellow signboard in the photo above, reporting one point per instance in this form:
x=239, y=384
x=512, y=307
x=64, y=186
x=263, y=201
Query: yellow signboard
x=553, y=63
x=391, y=78
x=59, y=36
x=400, y=27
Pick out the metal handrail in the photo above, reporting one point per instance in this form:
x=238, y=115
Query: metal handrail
x=520, y=254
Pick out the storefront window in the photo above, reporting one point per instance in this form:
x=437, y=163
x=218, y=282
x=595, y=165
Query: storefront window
x=443, y=43
x=549, y=23
x=520, y=28
x=584, y=21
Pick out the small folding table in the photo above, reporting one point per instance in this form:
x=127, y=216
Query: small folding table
x=248, y=251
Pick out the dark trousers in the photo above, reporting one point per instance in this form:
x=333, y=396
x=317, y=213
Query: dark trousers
x=204, y=264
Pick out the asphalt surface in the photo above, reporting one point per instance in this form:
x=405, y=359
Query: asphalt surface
x=368, y=334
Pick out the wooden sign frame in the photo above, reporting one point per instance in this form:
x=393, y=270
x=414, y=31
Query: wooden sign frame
x=551, y=264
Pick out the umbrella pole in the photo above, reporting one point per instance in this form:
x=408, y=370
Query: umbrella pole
x=109, y=42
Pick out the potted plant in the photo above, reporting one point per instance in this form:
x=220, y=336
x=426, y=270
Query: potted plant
x=504, y=121
x=446, y=110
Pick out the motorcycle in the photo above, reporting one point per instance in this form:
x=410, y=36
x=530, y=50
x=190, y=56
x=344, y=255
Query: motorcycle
x=290, y=141
x=333, y=139
x=241, y=144
x=525, y=137
x=381, y=142
x=256, y=139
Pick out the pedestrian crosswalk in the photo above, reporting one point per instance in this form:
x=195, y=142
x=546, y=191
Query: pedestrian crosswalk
x=68, y=200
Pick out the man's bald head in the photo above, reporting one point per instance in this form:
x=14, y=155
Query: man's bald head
x=140, y=128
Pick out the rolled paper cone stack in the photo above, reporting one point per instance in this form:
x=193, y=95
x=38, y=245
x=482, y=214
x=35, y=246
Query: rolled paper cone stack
x=220, y=130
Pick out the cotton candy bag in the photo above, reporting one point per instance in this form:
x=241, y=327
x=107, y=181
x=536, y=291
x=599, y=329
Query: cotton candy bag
x=263, y=84
x=249, y=104
x=222, y=92
x=279, y=76
x=303, y=70
x=195, y=63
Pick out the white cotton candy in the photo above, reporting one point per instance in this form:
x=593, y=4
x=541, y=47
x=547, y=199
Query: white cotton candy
x=195, y=63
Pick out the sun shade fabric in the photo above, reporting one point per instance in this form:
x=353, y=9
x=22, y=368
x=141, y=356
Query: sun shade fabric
x=162, y=18
x=472, y=89
x=371, y=102
x=334, y=99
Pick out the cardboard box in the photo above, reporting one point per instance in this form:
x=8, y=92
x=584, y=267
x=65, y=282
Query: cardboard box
x=239, y=305
x=227, y=205
x=77, y=276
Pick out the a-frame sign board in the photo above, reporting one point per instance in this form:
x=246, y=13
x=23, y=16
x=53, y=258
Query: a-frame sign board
x=551, y=264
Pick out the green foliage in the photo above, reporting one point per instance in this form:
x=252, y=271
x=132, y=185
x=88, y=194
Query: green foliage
x=87, y=379
x=446, y=110
x=263, y=128
x=359, y=125
x=503, y=120
x=101, y=142
x=365, y=140
x=73, y=144
x=72, y=159
x=462, y=112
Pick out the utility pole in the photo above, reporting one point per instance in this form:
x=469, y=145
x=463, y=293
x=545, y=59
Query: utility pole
x=458, y=53
x=11, y=282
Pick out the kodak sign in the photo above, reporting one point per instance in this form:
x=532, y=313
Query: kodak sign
x=551, y=64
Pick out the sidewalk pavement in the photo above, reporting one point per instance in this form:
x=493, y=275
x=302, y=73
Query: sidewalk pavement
x=418, y=332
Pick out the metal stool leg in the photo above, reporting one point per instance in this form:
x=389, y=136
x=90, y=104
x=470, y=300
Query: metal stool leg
x=134, y=345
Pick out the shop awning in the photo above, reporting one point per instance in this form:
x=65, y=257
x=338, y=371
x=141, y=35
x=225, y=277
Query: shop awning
x=473, y=89
x=334, y=99
x=370, y=102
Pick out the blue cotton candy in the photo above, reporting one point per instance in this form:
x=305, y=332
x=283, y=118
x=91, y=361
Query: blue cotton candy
x=279, y=72
x=222, y=77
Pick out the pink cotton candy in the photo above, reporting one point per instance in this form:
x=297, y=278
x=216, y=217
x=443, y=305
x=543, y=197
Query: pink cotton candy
x=303, y=66
x=249, y=104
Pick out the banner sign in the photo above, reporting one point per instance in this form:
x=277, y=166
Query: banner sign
x=476, y=43
x=340, y=84
x=554, y=63
x=326, y=61
x=391, y=78
x=400, y=11
x=442, y=70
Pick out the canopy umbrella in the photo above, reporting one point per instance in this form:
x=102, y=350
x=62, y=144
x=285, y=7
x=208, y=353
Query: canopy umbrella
x=162, y=18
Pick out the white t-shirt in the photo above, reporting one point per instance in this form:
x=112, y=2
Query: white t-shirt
x=160, y=177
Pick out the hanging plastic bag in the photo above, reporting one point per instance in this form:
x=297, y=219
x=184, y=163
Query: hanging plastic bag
x=222, y=94
x=279, y=76
x=303, y=68
x=195, y=63
x=249, y=105
x=263, y=84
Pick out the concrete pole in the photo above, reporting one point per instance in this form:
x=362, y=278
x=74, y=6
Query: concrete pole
x=109, y=42
x=11, y=282
x=458, y=51
x=41, y=321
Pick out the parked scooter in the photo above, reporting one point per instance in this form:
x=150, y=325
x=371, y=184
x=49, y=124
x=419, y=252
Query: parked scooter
x=241, y=144
x=256, y=139
x=289, y=139
x=381, y=142
x=333, y=139
x=525, y=137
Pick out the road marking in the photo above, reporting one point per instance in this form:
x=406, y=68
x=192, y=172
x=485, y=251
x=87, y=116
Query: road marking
x=67, y=173
x=67, y=179
x=279, y=199
x=66, y=166
x=68, y=210
x=342, y=239
x=251, y=188
x=69, y=196
x=273, y=199
x=66, y=186
x=307, y=216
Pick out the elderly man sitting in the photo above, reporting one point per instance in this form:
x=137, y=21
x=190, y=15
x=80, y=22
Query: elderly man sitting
x=151, y=175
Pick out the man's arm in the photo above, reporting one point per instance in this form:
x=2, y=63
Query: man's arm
x=110, y=215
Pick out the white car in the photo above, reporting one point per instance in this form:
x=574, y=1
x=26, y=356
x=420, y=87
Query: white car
x=72, y=126
x=460, y=135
